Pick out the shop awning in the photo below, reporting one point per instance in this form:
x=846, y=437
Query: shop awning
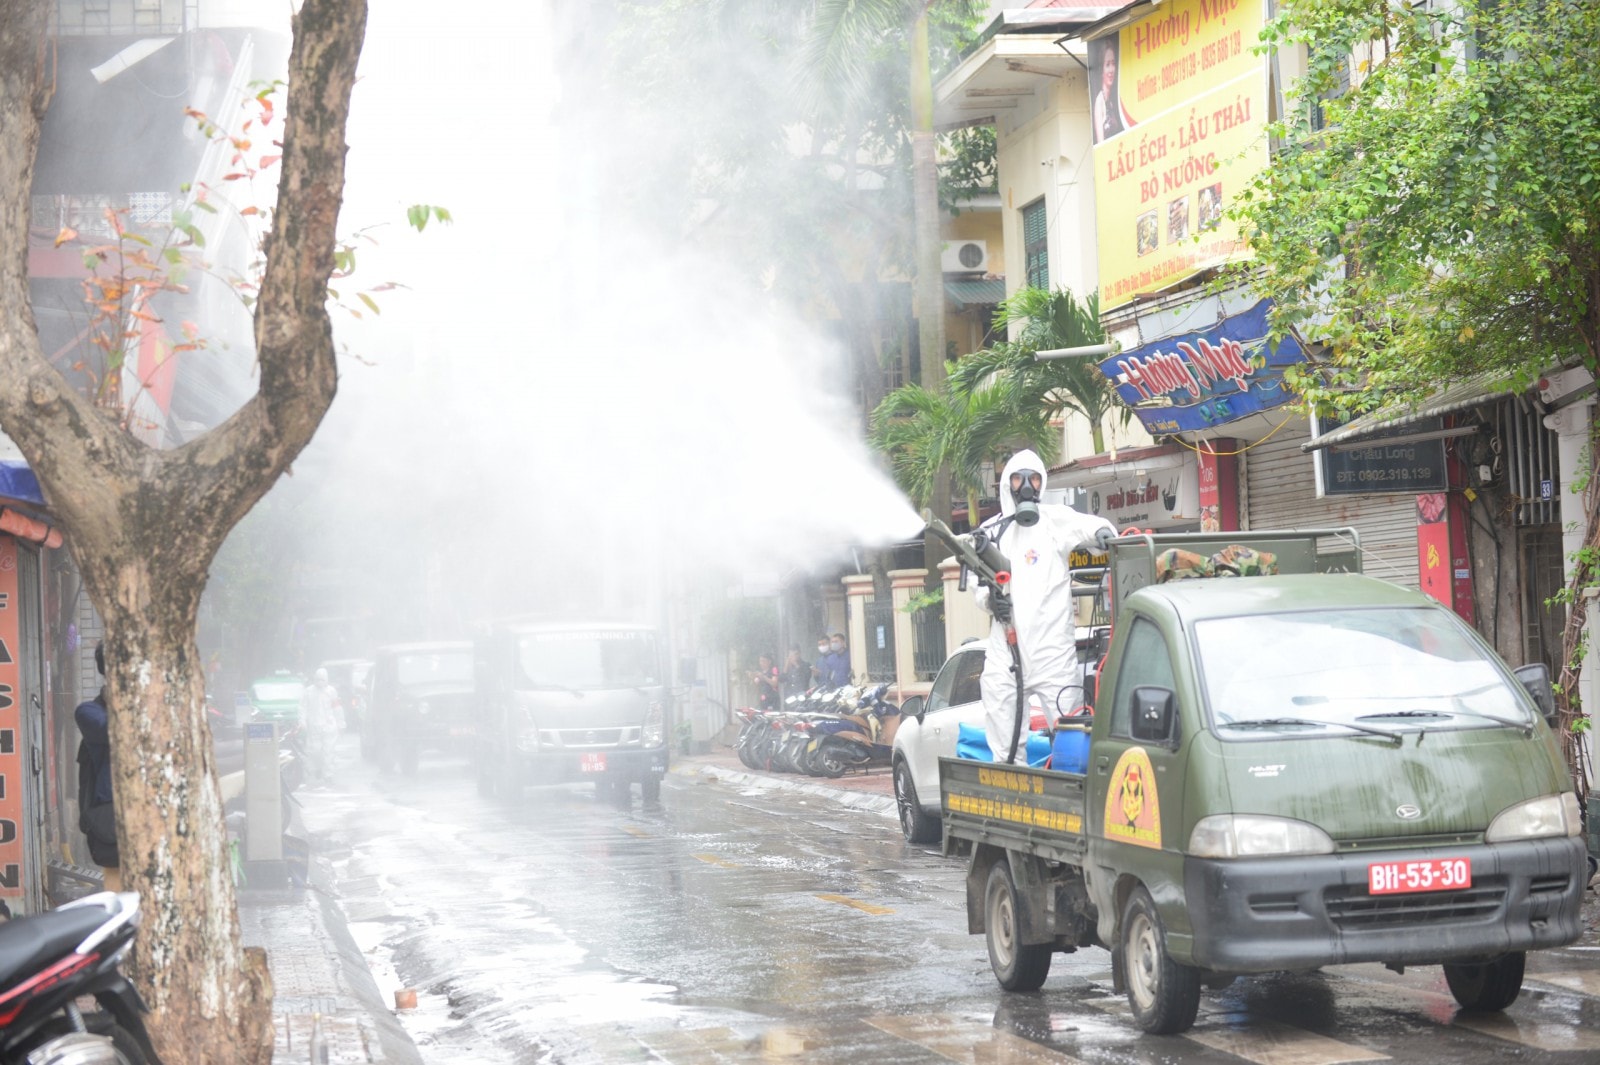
x=18, y=482
x=1095, y=469
x=1463, y=395
x=981, y=292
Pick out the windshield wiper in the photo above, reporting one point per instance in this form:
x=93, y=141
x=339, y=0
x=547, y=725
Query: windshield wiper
x=1277, y=722
x=1526, y=727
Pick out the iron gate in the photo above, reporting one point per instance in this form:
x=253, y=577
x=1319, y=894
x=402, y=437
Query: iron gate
x=880, y=640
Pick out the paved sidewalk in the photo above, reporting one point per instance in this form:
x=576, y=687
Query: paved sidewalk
x=326, y=1006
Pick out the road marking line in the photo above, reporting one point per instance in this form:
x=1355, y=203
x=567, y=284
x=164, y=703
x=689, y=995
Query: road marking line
x=712, y=859
x=1584, y=982
x=864, y=907
x=969, y=1042
x=634, y=830
x=1270, y=1043
x=1541, y=1035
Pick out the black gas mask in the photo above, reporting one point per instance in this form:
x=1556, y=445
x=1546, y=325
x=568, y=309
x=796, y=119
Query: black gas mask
x=1025, y=488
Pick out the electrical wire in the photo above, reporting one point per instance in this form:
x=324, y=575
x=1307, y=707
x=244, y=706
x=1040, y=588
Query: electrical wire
x=1228, y=454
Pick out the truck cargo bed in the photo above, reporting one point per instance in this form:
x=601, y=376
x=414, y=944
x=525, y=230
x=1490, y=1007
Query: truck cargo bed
x=1013, y=806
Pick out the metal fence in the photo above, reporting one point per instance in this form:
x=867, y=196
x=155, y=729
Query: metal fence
x=880, y=640
x=927, y=641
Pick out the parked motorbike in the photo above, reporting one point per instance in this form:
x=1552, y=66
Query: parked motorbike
x=752, y=725
x=48, y=961
x=866, y=740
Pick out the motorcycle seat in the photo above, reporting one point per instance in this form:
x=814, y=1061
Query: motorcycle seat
x=27, y=944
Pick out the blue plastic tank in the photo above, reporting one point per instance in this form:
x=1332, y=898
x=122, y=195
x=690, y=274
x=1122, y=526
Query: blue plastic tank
x=1069, y=750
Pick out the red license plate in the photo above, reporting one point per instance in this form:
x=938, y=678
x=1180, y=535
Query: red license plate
x=592, y=763
x=1429, y=874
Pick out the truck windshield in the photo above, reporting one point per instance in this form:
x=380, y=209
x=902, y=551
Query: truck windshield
x=440, y=667
x=587, y=660
x=1391, y=669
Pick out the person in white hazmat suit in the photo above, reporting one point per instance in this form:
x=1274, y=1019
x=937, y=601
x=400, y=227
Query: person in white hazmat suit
x=323, y=719
x=1038, y=539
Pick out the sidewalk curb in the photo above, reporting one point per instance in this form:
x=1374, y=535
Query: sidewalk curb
x=322, y=982
x=355, y=974
x=855, y=800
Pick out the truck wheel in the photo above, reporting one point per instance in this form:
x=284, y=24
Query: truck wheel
x=1165, y=995
x=1018, y=966
x=1488, y=987
x=915, y=825
x=650, y=789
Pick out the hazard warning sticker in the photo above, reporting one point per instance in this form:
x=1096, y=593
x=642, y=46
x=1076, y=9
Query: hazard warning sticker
x=1133, y=807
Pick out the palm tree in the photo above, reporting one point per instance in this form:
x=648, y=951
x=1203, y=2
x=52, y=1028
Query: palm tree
x=925, y=431
x=1048, y=319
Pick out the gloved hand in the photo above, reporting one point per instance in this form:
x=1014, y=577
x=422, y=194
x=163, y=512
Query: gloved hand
x=1103, y=536
x=1000, y=608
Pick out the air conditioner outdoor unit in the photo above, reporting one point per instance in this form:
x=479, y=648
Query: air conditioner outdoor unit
x=965, y=257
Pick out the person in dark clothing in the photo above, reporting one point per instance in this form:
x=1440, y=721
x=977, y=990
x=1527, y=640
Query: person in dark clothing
x=765, y=677
x=796, y=676
x=97, y=817
x=834, y=670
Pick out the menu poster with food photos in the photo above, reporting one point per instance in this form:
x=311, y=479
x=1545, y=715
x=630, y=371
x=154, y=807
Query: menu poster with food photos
x=1178, y=110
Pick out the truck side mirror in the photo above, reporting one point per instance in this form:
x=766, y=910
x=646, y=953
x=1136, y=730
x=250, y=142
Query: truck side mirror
x=1535, y=676
x=915, y=707
x=1155, y=715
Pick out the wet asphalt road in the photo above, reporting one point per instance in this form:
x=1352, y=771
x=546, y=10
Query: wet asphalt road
x=731, y=924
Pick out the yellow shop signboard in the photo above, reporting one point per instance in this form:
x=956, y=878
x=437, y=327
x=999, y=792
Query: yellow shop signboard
x=1178, y=105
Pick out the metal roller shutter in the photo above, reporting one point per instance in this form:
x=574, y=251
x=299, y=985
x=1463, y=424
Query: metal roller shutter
x=1280, y=493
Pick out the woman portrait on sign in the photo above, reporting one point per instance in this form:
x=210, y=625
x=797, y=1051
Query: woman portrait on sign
x=1107, y=116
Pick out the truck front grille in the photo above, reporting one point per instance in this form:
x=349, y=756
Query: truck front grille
x=579, y=739
x=1353, y=907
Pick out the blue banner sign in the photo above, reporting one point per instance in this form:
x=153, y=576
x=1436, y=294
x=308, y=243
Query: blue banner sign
x=1201, y=380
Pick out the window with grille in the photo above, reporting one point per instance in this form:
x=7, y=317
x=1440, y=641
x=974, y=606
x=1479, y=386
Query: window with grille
x=1036, y=245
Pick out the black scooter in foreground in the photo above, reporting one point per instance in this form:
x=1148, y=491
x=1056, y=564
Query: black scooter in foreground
x=47, y=961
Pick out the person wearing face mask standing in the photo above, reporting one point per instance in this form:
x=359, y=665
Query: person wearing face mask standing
x=833, y=664
x=1038, y=538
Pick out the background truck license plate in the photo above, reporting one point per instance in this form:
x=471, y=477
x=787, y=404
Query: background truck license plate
x=1430, y=874
x=592, y=763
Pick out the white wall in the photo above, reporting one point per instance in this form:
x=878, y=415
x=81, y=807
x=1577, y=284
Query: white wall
x=1044, y=151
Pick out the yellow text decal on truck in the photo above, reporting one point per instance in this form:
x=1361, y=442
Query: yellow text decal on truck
x=1133, y=808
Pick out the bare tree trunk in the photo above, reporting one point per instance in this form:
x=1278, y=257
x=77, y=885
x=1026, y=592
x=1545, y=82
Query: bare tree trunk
x=144, y=526
x=1574, y=638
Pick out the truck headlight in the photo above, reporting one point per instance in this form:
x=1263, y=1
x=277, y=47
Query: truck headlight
x=1254, y=836
x=654, y=733
x=1548, y=815
x=422, y=708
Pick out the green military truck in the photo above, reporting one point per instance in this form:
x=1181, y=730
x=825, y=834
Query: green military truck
x=1284, y=772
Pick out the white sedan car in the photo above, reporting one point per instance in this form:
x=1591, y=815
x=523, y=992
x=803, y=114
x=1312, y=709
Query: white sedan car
x=929, y=734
